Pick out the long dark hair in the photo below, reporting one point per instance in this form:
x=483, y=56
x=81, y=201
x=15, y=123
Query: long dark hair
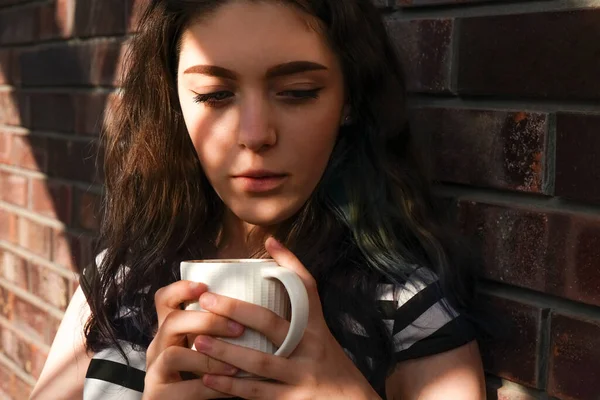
x=369, y=220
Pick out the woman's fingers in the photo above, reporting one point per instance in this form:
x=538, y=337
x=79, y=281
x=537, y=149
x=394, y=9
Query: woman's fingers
x=179, y=323
x=168, y=298
x=250, y=315
x=253, y=361
x=186, y=390
x=177, y=359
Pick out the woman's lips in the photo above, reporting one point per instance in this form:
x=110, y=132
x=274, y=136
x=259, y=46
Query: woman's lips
x=260, y=184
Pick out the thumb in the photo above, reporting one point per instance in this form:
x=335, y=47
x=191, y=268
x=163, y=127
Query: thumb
x=287, y=259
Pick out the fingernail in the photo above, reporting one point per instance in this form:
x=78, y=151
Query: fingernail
x=207, y=300
x=194, y=285
x=203, y=343
x=209, y=380
x=276, y=243
x=234, y=327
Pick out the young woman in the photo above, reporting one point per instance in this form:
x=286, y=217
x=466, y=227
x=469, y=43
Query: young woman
x=266, y=129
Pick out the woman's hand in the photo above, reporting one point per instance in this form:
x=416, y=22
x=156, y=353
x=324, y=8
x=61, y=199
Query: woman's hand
x=318, y=368
x=168, y=353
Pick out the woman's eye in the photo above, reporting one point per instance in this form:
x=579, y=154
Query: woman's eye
x=295, y=95
x=214, y=99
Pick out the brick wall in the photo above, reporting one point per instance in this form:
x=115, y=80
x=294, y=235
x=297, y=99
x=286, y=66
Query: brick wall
x=505, y=93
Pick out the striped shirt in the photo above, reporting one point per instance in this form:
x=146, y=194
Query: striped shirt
x=420, y=321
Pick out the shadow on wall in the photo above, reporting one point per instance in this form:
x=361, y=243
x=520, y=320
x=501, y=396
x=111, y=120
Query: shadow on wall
x=59, y=61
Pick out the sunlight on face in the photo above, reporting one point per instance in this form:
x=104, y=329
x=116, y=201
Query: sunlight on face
x=262, y=97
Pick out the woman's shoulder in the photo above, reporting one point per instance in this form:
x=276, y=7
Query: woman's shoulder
x=420, y=319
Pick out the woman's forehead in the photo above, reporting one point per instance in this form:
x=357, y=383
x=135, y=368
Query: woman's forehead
x=253, y=35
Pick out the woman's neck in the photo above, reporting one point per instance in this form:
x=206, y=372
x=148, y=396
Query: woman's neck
x=239, y=239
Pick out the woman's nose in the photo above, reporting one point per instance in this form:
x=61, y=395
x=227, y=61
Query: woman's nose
x=256, y=131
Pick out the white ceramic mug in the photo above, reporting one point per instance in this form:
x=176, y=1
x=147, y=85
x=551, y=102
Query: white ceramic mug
x=259, y=281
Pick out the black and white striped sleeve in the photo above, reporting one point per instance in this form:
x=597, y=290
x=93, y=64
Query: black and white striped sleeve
x=109, y=378
x=420, y=319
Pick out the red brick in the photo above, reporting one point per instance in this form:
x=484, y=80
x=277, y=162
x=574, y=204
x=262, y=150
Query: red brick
x=20, y=389
x=52, y=199
x=135, y=9
x=64, y=64
x=546, y=55
x=7, y=304
x=8, y=226
x=551, y=252
x=6, y=70
x=100, y=17
x=35, y=237
x=574, y=365
x=52, y=111
x=424, y=47
x=66, y=250
x=18, y=25
x=108, y=58
x=12, y=108
x=14, y=188
x=577, y=161
x=49, y=286
x=497, y=149
x=34, y=321
x=30, y=152
x=89, y=209
x=14, y=269
x=72, y=160
x=5, y=146
x=513, y=354
x=6, y=378
x=56, y=19
x=90, y=112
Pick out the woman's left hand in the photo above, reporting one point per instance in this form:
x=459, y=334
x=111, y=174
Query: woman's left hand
x=317, y=369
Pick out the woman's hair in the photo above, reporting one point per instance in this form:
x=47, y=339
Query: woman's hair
x=369, y=219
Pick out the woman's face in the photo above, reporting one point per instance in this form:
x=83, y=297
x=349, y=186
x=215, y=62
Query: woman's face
x=262, y=97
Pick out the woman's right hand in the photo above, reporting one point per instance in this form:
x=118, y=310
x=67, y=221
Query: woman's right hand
x=168, y=353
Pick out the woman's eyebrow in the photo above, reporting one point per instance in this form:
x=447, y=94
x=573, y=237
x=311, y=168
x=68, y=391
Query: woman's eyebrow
x=289, y=68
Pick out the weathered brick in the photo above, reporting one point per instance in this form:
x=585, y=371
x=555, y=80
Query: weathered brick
x=8, y=226
x=15, y=188
x=88, y=205
x=6, y=70
x=66, y=250
x=551, y=252
x=14, y=269
x=30, y=152
x=49, y=286
x=497, y=149
x=513, y=354
x=35, y=237
x=574, y=363
x=5, y=146
x=89, y=112
x=13, y=108
x=100, y=17
x=35, y=321
x=18, y=25
x=52, y=199
x=577, y=161
x=7, y=304
x=546, y=55
x=71, y=160
x=52, y=111
x=424, y=47
x=56, y=19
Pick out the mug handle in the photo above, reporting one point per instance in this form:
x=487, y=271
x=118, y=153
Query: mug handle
x=299, y=302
